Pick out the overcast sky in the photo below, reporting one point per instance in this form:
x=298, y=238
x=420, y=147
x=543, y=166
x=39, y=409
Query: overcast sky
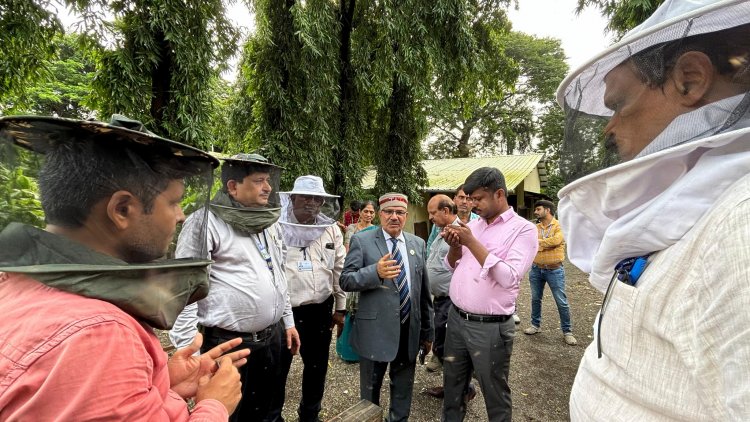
x=582, y=36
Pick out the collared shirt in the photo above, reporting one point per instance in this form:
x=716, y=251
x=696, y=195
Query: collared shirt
x=675, y=345
x=436, y=231
x=492, y=288
x=439, y=276
x=245, y=295
x=318, y=281
x=551, y=243
x=82, y=359
x=402, y=249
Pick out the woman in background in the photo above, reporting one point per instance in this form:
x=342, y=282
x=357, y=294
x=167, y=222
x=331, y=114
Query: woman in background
x=366, y=215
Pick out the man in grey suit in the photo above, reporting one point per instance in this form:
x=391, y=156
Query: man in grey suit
x=394, y=318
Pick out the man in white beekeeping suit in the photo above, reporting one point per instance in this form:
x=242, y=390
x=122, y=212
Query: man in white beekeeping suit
x=659, y=216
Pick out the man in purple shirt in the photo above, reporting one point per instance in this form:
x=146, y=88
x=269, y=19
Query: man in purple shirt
x=488, y=257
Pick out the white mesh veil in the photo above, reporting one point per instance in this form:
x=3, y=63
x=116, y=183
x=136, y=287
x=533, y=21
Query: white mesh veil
x=718, y=29
x=307, y=211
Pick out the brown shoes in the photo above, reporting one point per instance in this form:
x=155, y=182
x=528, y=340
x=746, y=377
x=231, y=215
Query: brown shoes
x=437, y=392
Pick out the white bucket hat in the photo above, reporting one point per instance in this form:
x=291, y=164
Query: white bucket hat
x=309, y=185
x=583, y=89
x=301, y=235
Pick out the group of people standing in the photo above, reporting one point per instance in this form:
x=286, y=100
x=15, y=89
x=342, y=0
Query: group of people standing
x=260, y=275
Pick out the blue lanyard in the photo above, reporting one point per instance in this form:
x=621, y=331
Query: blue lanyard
x=263, y=251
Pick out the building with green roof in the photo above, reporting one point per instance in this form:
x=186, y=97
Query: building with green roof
x=525, y=176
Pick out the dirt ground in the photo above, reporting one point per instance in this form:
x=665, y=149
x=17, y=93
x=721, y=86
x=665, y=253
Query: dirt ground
x=541, y=373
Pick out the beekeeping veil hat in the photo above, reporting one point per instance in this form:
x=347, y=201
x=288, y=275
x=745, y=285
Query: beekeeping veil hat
x=78, y=165
x=717, y=28
x=307, y=211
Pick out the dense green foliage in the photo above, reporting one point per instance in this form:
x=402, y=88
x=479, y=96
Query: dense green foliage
x=19, y=198
x=63, y=87
x=331, y=88
x=623, y=15
x=167, y=51
x=325, y=87
x=26, y=33
x=496, y=106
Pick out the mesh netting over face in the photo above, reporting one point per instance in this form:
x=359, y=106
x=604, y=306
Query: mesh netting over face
x=304, y=217
x=120, y=189
x=683, y=75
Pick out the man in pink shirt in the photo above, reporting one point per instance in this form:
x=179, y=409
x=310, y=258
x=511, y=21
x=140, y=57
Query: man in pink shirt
x=80, y=298
x=488, y=257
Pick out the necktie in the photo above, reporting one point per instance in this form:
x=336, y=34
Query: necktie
x=401, y=284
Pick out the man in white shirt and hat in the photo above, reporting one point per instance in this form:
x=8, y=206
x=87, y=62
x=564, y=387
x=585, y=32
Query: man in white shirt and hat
x=248, y=295
x=664, y=233
x=314, y=260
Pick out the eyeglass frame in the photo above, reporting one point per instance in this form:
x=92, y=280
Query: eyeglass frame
x=390, y=212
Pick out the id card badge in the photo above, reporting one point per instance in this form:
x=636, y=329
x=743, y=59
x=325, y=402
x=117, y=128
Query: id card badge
x=305, y=265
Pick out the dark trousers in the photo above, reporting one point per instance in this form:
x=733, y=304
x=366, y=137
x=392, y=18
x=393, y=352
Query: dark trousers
x=261, y=376
x=313, y=323
x=441, y=305
x=401, y=372
x=485, y=348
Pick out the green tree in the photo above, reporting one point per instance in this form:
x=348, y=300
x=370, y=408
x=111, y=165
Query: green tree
x=623, y=15
x=26, y=33
x=64, y=86
x=514, y=76
x=19, y=198
x=329, y=88
x=162, y=55
x=153, y=64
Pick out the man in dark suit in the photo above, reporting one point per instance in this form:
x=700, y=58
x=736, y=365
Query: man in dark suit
x=394, y=318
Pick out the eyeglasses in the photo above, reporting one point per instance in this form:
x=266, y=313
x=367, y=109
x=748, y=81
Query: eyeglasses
x=399, y=213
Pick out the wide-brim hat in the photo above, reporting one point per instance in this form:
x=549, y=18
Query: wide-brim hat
x=250, y=159
x=309, y=185
x=583, y=89
x=42, y=133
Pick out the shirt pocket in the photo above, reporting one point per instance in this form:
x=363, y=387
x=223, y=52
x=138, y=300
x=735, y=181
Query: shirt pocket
x=616, y=329
x=328, y=258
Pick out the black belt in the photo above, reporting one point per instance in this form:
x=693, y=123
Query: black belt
x=441, y=298
x=257, y=336
x=481, y=318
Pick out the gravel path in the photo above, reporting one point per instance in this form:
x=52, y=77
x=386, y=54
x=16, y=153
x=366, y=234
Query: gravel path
x=542, y=366
x=541, y=373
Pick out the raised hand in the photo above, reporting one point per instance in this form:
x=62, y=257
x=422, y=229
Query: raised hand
x=387, y=267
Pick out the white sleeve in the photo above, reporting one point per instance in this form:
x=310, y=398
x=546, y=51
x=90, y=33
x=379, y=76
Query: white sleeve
x=185, y=327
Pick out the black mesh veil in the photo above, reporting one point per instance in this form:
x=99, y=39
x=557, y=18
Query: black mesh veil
x=718, y=29
x=116, y=192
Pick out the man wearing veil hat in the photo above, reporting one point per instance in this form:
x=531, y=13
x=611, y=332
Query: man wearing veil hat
x=248, y=296
x=664, y=233
x=80, y=298
x=314, y=260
